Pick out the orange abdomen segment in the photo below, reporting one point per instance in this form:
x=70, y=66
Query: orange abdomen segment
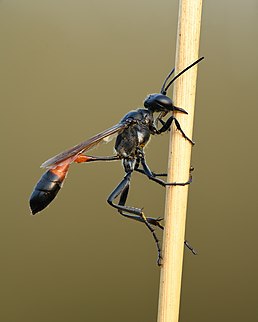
x=47, y=188
x=82, y=158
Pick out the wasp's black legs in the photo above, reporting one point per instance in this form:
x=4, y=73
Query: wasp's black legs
x=146, y=170
x=122, y=201
x=88, y=158
x=190, y=247
x=178, y=126
x=131, y=212
x=153, y=173
x=166, y=126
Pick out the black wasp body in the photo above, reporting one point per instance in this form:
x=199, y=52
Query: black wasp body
x=133, y=139
x=133, y=133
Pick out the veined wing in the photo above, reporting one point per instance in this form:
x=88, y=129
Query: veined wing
x=68, y=156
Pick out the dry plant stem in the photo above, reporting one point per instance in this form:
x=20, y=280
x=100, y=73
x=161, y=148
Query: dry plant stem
x=188, y=35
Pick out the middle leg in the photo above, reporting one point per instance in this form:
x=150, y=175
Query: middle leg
x=152, y=176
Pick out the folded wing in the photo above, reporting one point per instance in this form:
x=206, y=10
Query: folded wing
x=68, y=156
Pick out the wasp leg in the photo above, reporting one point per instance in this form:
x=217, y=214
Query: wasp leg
x=182, y=132
x=132, y=212
x=87, y=158
x=190, y=247
x=122, y=201
x=146, y=170
x=161, y=121
x=158, y=174
x=166, y=126
x=153, y=173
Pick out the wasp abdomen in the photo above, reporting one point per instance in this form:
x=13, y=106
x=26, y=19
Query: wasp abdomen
x=47, y=188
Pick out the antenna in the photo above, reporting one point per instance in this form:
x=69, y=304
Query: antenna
x=164, y=90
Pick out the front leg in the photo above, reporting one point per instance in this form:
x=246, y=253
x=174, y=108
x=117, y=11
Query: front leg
x=167, y=125
x=178, y=126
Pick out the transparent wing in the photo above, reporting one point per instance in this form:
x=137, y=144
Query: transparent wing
x=68, y=156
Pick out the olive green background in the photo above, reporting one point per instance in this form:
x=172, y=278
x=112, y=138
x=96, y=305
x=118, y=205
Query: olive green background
x=70, y=69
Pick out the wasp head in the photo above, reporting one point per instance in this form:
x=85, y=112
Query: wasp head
x=161, y=103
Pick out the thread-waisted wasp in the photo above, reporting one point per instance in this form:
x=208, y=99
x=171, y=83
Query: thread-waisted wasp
x=132, y=134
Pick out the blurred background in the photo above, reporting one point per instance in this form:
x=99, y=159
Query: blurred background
x=70, y=69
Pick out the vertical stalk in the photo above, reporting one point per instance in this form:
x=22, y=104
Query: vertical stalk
x=188, y=36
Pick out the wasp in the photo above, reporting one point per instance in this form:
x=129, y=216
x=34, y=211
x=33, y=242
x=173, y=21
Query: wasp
x=132, y=134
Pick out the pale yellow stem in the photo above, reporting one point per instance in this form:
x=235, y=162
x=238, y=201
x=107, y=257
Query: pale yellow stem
x=188, y=36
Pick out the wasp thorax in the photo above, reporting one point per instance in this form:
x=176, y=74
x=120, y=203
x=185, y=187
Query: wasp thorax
x=158, y=103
